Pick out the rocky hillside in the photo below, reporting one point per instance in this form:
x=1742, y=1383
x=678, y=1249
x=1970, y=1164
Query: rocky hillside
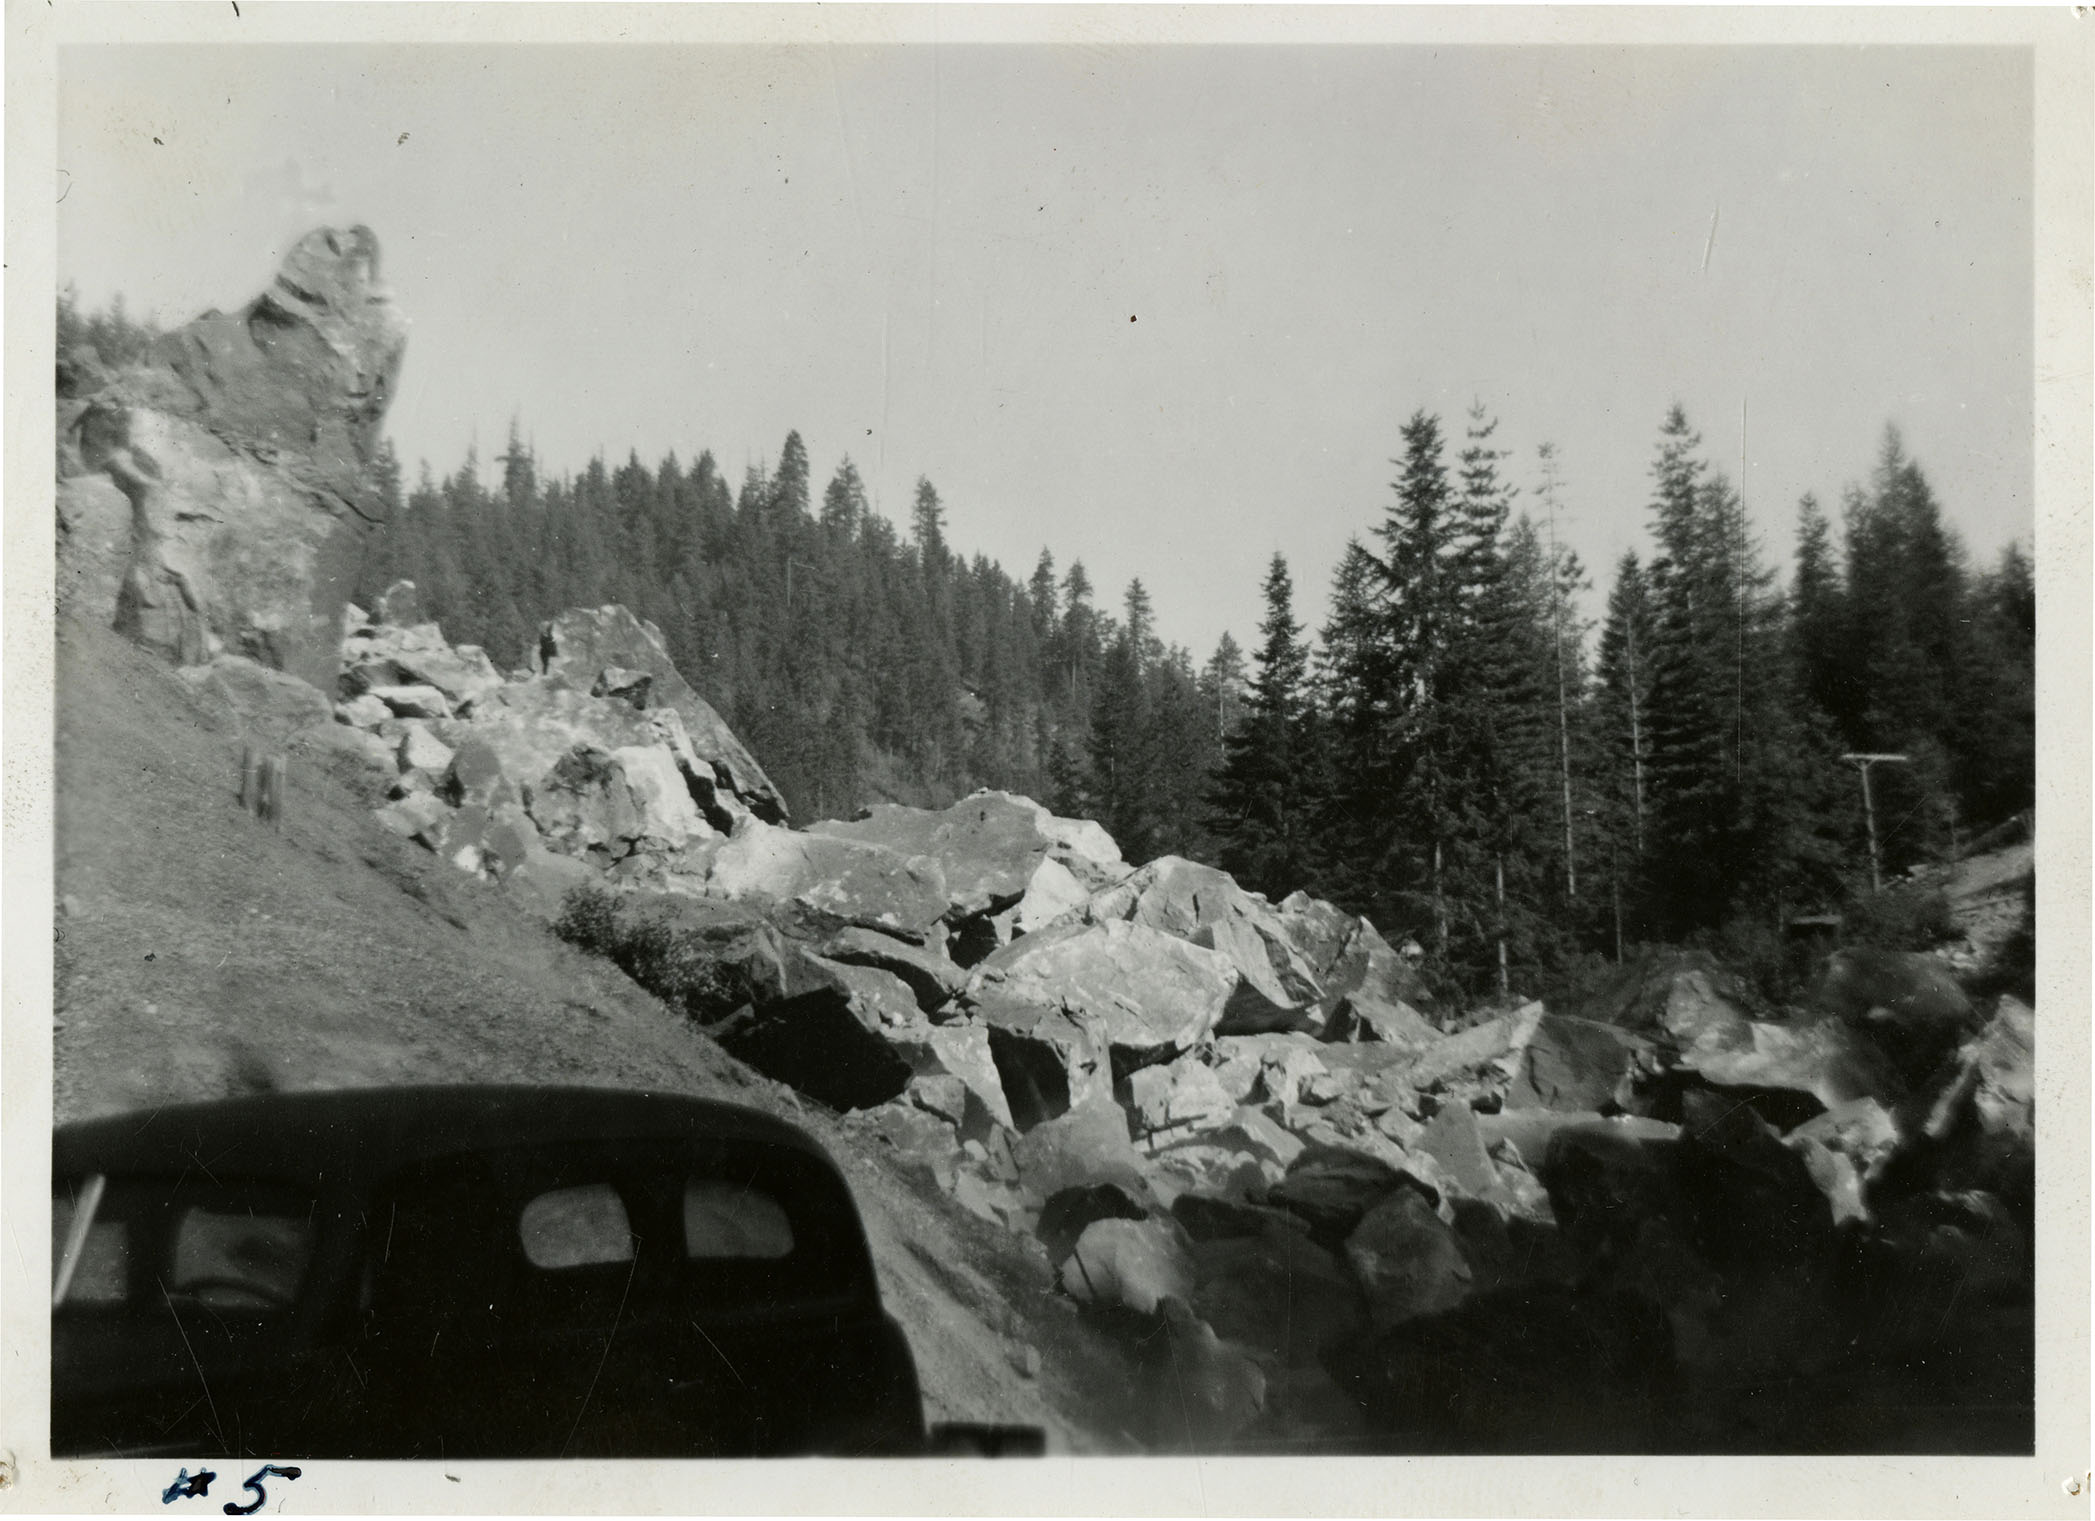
x=1147, y=1157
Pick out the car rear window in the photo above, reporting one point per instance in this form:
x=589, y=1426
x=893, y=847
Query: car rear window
x=576, y=1227
x=727, y=1220
x=240, y=1259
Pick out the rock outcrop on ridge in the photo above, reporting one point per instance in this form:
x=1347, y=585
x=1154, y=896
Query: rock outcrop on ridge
x=238, y=451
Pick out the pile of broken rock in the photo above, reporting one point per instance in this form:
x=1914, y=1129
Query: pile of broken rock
x=1664, y=1218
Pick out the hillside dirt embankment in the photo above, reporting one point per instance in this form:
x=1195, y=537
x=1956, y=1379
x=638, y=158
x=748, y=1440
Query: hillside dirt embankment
x=201, y=953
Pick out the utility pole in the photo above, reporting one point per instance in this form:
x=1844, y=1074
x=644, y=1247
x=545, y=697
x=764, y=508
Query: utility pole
x=1505, y=982
x=1550, y=483
x=1869, y=808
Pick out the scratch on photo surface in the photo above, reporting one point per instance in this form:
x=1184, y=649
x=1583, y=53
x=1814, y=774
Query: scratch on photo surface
x=183, y=1331
x=701, y=1330
x=609, y=1336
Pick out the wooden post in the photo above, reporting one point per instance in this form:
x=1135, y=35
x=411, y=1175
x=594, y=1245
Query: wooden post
x=262, y=783
x=272, y=810
x=1869, y=814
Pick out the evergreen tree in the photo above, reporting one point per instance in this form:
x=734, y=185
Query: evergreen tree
x=1041, y=599
x=843, y=501
x=1260, y=817
x=1622, y=730
x=1121, y=761
x=1732, y=783
x=1819, y=616
x=789, y=483
x=927, y=527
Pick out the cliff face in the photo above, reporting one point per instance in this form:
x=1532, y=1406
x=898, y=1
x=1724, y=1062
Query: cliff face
x=239, y=450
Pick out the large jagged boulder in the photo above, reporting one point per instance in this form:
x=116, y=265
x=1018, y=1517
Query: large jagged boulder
x=990, y=845
x=529, y=728
x=578, y=647
x=1086, y=1146
x=1369, y=991
x=851, y=880
x=1825, y=1063
x=1129, y=1264
x=609, y=805
x=379, y=654
x=960, y=1052
x=1331, y=1188
x=1576, y=1064
x=1205, y=907
x=1174, y=1098
x=271, y=704
x=928, y=971
x=1408, y=1260
x=1049, y=1060
x=1276, y=1292
x=1478, y=1062
x=1144, y=993
x=1981, y=1116
x=242, y=443
x=1908, y=1003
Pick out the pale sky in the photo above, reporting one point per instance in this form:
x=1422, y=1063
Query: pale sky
x=1161, y=309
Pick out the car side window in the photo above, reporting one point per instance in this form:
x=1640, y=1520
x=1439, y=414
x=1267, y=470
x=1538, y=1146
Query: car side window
x=576, y=1227
x=102, y=1264
x=726, y=1220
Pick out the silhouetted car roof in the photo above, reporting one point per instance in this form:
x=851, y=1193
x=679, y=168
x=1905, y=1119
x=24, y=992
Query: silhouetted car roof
x=346, y=1136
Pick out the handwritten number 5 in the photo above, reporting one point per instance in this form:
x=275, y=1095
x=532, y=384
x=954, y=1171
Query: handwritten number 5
x=254, y=1483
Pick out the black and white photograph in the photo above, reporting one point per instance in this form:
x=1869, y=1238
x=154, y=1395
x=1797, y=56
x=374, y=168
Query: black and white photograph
x=1040, y=734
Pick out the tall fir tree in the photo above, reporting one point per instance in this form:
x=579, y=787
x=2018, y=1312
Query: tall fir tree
x=1260, y=815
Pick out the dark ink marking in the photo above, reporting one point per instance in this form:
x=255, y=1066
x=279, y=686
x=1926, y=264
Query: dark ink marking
x=402, y=138
x=254, y=1482
x=236, y=9
x=1131, y=316
x=188, y=1486
x=149, y=954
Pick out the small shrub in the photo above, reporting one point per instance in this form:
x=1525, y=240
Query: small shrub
x=1906, y=917
x=589, y=919
x=676, y=968
x=1771, y=964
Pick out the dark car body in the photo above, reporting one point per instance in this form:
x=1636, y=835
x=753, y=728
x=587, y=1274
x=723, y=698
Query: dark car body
x=471, y=1272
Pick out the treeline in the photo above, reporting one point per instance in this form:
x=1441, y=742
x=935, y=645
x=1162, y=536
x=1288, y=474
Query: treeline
x=1457, y=759
x=858, y=663
x=116, y=337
